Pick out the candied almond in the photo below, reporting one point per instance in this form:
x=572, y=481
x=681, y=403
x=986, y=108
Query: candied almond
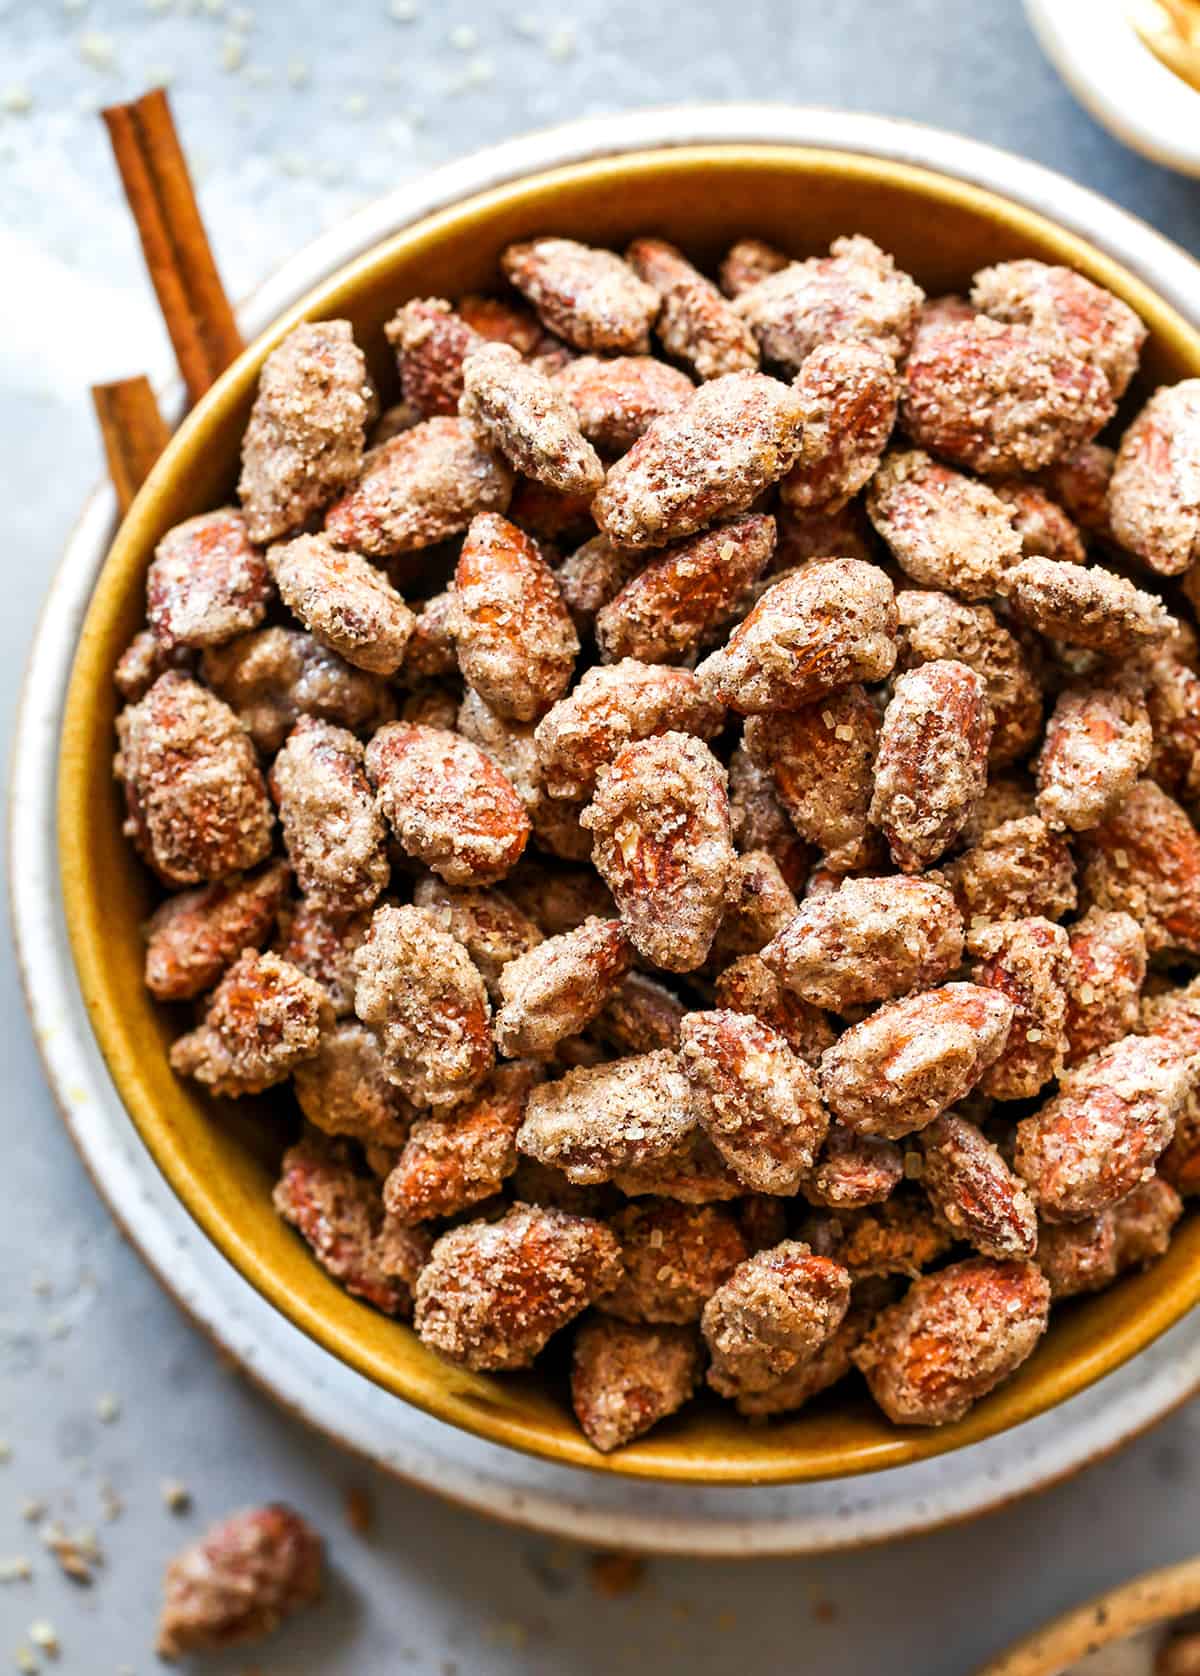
x=756, y=1099
x=1108, y=968
x=1143, y=1223
x=1145, y=860
x=944, y=529
x=592, y=575
x=617, y=398
x=684, y=594
x=429, y=654
x=431, y=342
x=760, y=822
x=418, y=989
x=853, y=1170
x=758, y=904
x=973, y=1190
x=322, y=945
x=418, y=489
x=273, y=676
x=900, y=1235
x=1029, y=960
x=456, y=1158
x=673, y=1258
x=589, y=297
x=952, y=1338
x=515, y=639
x=239, y=1582
x=831, y=1363
x=821, y=759
x=1099, y=1137
x=344, y=1089
x=193, y=936
x=856, y=293
x=528, y=419
x=263, y=1019
x=710, y=458
x=1094, y=324
x=935, y=625
x=609, y=708
x=493, y=1293
x=869, y=940
x=776, y=1310
x=548, y=515
x=692, y=1172
x=913, y=1059
x=556, y=989
x=750, y=986
x=812, y=632
x=447, y=802
x=640, y=1016
x=344, y=602
x=207, y=582
x=1098, y=742
x=850, y=392
x=695, y=324
x=501, y=321
x=625, y=1378
x=746, y=262
x=1079, y=1256
x=143, y=661
x=1016, y=868
x=307, y=430
x=1001, y=399
x=197, y=806
x=821, y=534
x=1044, y=528
x=1079, y=481
x=1084, y=605
x=1008, y=797
x=598, y=1120
x=1154, y=491
x=661, y=842
x=488, y=924
x=1173, y=1014
x=558, y=898
x=931, y=766
x=333, y=831
x=1172, y=697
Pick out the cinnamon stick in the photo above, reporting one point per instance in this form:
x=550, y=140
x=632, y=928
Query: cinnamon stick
x=159, y=190
x=134, y=432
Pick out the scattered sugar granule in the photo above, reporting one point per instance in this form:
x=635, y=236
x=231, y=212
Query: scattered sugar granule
x=99, y=52
x=402, y=11
x=463, y=38
x=298, y=73
x=176, y=1495
x=33, y=1510
x=25, y=1662
x=527, y=25
x=15, y=1569
x=111, y=1504
x=17, y=100
x=356, y=104
x=233, y=53
x=42, y=1634
x=560, y=43
x=108, y=1408
x=76, y=1555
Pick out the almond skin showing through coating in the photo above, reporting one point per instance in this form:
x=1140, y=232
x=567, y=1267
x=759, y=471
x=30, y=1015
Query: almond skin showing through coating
x=1108, y=968
x=492, y=1293
x=626, y=1378
x=322, y=945
x=239, y=1582
x=973, y=1190
x=1044, y=528
x=907, y=1063
x=1001, y=399
x=197, y=805
x=263, y=1019
x=420, y=488
x=1145, y=860
x=755, y=1098
x=1098, y=742
x=695, y=324
x=611, y=707
x=810, y=634
x=589, y=297
x=640, y=1016
x=1017, y=868
x=821, y=759
x=746, y=262
x=944, y=529
x=431, y=342
x=602, y=1119
x=523, y=415
x=307, y=428
x=775, y=1311
x=448, y=803
x=1154, y=493
x=1084, y=605
x=869, y=940
x=557, y=988
x=661, y=841
x=514, y=635
x=750, y=986
x=487, y=923
x=853, y=1170
x=616, y=400
x=194, y=935
x=931, y=767
x=954, y=1337
x=453, y=1159
x=850, y=392
x=1094, y=324
x=674, y=1256
x=1100, y=1135
x=709, y=459
x=1029, y=961
x=418, y=990
x=206, y=582
x=343, y=601
x=663, y=614
x=334, y=834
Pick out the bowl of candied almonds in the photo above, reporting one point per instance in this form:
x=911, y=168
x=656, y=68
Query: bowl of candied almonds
x=648, y=896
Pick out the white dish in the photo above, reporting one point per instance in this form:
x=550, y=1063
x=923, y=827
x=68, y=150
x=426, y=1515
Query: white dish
x=312, y=1384
x=1116, y=77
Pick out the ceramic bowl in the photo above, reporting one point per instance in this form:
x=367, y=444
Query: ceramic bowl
x=219, y=1157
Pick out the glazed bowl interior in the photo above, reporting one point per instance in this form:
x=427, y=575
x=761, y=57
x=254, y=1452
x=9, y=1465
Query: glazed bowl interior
x=220, y=1156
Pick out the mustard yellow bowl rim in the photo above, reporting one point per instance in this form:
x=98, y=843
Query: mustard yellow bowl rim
x=704, y=1447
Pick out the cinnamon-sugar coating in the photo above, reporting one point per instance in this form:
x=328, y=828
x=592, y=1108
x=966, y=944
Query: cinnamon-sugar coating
x=456, y=1158
x=1098, y=743
x=194, y=935
x=345, y=1090
x=488, y=924
x=527, y=418
x=821, y=760
x=588, y=296
x=1094, y=324
x=273, y=676
x=1029, y=960
x=973, y=1190
x=557, y=988
x=599, y=1120
x=264, y=1018
x=625, y=1378
x=850, y=392
x=1104, y=981
x=775, y=1311
x=617, y=398
x=1145, y=860
x=333, y=831
x=695, y=324
x=343, y=601
x=749, y=985
x=673, y=1258
x=207, y=582
x=945, y=530
x=1154, y=492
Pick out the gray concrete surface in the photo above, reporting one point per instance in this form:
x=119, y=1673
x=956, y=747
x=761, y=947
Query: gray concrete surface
x=295, y=113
